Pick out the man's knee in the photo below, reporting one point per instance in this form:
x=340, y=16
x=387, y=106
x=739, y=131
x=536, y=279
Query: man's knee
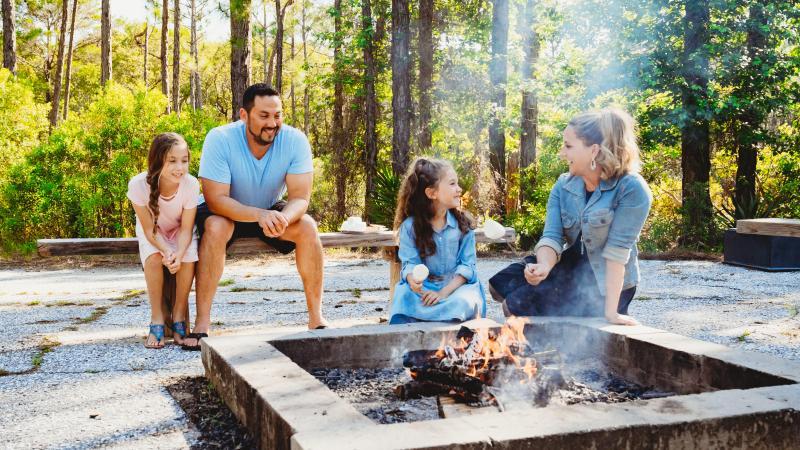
x=304, y=228
x=218, y=229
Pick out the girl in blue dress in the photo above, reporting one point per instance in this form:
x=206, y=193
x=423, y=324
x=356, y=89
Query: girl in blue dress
x=433, y=231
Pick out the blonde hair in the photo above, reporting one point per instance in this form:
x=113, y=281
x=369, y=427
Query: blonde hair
x=614, y=130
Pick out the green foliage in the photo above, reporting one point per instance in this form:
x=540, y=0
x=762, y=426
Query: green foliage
x=23, y=122
x=74, y=184
x=384, y=199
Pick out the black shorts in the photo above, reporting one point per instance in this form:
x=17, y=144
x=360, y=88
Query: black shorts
x=245, y=229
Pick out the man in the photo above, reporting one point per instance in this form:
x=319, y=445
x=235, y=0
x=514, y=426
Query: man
x=245, y=169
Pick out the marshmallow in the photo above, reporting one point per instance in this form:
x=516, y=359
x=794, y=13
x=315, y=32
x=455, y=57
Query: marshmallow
x=420, y=272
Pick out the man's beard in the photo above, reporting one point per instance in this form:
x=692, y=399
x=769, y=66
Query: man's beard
x=261, y=141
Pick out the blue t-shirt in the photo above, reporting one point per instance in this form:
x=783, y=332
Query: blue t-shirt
x=260, y=183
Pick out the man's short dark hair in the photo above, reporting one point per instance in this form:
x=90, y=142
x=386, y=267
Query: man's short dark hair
x=257, y=90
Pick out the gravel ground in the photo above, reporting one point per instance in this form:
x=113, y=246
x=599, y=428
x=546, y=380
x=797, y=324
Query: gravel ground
x=74, y=373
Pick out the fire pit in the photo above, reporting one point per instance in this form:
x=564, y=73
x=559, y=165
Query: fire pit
x=660, y=390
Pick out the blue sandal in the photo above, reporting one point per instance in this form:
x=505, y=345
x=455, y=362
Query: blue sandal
x=157, y=330
x=179, y=328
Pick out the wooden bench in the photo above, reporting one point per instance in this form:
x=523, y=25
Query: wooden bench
x=384, y=239
x=766, y=244
x=121, y=246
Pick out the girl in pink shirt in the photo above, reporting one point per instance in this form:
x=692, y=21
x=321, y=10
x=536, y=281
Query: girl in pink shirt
x=165, y=201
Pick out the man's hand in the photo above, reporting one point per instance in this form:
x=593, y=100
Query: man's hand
x=430, y=298
x=536, y=273
x=273, y=223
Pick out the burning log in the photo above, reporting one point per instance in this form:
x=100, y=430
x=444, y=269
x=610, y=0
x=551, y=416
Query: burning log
x=474, y=362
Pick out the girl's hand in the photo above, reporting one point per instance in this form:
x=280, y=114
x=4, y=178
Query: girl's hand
x=175, y=265
x=621, y=319
x=430, y=298
x=536, y=273
x=415, y=285
x=167, y=259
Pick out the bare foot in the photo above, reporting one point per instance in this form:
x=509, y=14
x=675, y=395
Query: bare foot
x=319, y=324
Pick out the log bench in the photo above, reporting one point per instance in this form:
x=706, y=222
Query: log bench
x=765, y=244
x=116, y=246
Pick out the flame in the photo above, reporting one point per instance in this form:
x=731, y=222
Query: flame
x=478, y=352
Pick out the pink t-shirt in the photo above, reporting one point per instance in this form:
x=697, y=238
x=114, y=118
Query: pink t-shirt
x=169, y=209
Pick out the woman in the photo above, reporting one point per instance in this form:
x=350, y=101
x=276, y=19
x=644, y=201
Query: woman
x=586, y=262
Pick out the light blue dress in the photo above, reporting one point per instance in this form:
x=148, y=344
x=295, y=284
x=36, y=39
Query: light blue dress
x=455, y=255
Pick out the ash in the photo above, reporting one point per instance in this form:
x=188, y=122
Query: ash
x=371, y=392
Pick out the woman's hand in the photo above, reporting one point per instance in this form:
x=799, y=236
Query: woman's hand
x=621, y=319
x=536, y=273
x=415, y=285
x=430, y=298
x=175, y=266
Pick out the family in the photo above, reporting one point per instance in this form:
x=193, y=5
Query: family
x=585, y=263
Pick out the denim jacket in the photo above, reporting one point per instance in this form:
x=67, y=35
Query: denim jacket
x=455, y=253
x=609, y=222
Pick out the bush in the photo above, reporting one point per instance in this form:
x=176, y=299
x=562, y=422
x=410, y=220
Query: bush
x=74, y=184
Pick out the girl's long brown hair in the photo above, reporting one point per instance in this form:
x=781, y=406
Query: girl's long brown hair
x=155, y=163
x=412, y=202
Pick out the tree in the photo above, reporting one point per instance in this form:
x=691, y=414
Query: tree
x=425, y=71
x=68, y=76
x=338, y=132
x=370, y=108
x=306, y=109
x=401, y=93
x=54, y=116
x=164, y=49
x=194, y=74
x=280, y=13
x=240, y=53
x=105, y=43
x=498, y=74
x=695, y=139
x=530, y=108
x=9, y=36
x=176, y=58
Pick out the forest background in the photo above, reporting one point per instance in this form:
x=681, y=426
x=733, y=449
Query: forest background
x=489, y=85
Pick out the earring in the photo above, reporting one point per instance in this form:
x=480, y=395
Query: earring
x=593, y=165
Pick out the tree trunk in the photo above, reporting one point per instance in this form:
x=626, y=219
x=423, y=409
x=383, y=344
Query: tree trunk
x=164, y=49
x=280, y=13
x=146, y=48
x=750, y=120
x=271, y=68
x=176, y=59
x=68, y=75
x=338, y=112
x=240, y=53
x=105, y=44
x=265, y=48
x=54, y=109
x=530, y=107
x=401, y=93
x=498, y=75
x=9, y=36
x=306, y=107
x=291, y=79
x=426, y=49
x=695, y=141
x=370, y=108
x=194, y=73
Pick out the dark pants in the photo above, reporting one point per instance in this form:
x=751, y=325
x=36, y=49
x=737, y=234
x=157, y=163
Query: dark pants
x=569, y=290
x=245, y=229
